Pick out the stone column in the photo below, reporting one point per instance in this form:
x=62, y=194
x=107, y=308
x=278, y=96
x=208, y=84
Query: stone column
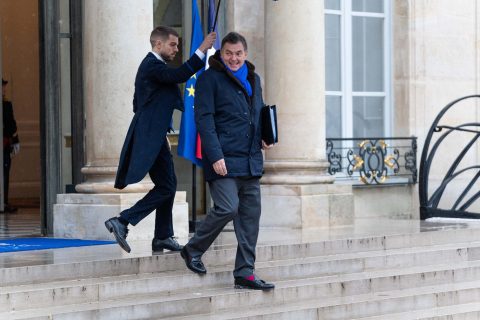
x=297, y=191
x=116, y=39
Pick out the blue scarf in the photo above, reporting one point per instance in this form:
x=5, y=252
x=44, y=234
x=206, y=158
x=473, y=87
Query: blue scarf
x=241, y=74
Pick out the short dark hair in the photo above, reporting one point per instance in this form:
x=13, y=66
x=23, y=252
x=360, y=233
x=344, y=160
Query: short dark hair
x=233, y=38
x=162, y=33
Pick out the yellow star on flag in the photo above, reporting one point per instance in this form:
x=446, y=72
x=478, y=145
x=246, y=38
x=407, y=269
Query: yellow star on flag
x=191, y=91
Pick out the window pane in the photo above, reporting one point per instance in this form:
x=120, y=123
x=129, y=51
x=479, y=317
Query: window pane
x=368, y=6
x=333, y=108
x=167, y=13
x=332, y=4
x=333, y=67
x=368, y=117
x=64, y=23
x=367, y=54
x=66, y=111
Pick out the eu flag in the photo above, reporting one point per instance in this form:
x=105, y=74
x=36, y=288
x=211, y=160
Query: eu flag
x=187, y=141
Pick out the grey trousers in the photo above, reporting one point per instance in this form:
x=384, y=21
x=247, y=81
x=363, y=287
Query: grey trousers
x=236, y=199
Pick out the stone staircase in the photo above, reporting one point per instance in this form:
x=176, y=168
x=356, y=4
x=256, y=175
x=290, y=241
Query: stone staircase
x=429, y=272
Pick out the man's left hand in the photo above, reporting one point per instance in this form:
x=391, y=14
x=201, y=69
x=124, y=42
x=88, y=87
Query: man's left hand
x=208, y=42
x=266, y=146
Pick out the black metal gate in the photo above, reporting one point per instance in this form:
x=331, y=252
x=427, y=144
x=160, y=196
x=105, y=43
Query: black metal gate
x=429, y=203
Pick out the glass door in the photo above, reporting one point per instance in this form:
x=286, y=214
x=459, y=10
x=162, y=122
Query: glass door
x=177, y=14
x=61, y=102
x=20, y=185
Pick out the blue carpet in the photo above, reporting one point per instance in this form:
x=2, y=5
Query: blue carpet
x=26, y=244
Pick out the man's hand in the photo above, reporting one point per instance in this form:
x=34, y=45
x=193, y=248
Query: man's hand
x=208, y=42
x=266, y=146
x=220, y=167
x=15, y=149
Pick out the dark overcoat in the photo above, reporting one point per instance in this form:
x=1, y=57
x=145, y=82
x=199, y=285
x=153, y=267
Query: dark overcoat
x=156, y=96
x=228, y=120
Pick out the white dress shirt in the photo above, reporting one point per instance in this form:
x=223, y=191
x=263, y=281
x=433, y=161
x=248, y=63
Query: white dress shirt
x=198, y=52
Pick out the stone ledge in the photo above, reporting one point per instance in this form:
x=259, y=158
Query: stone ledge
x=306, y=206
x=304, y=189
x=109, y=198
x=291, y=172
x=82, y=216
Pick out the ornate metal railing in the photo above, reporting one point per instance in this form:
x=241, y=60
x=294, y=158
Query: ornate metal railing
x=373, y=160
x=455, y=149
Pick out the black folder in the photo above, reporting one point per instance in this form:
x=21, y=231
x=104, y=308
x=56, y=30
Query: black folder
x=269, y=124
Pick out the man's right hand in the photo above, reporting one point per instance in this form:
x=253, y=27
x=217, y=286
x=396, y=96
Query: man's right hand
x=220, y=167
x=208, y=42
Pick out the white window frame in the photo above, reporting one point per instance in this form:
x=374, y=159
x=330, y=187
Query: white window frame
x=346, y=67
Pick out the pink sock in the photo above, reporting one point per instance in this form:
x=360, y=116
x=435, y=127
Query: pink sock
x=250, y=278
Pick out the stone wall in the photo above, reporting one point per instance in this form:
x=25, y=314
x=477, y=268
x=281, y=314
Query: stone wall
x=436, y=61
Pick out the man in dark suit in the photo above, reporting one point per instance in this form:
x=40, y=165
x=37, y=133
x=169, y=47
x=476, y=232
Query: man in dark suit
x=146, y=148
x=228, y=102
x=11, y=145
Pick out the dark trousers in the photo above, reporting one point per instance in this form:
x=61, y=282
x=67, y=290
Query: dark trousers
x=160, y=198
x=236, y=199
x=7, y=163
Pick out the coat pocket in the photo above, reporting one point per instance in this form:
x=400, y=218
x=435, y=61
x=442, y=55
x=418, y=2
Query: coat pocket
x=234, y=144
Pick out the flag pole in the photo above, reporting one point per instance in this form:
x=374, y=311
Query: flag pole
x=216, y=17
x=194, y=198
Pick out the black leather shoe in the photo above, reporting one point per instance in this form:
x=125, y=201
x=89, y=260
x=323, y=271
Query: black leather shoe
x=169, y=244
x=257, y=284
x=120, y=232
x=194, y=264
x=10, y=209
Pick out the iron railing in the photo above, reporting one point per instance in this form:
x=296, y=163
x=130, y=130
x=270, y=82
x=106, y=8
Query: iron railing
x=373, y=160
x=458, y=201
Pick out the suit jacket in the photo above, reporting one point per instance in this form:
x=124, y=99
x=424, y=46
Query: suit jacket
x=156, y=95
x=228, y=120
x=9, y=124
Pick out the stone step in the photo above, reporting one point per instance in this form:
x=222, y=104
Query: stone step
x=94, y=289
x=448, y=301
x=322, y=271
x=357, y=306
x=378, y=283
x=455, y=312
x=474, y=315
x=82, y=216
x=330, y=264
x=225, y=254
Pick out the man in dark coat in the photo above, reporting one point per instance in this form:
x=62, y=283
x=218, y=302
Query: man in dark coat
x=11, y=145
x=146, y=148
x=228, y=102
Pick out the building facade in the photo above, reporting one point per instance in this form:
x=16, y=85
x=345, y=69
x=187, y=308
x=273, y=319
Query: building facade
x=354, y=71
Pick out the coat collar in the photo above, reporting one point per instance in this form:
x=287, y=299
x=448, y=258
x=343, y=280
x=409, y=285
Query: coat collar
x=215, y=62
x=152, y=56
